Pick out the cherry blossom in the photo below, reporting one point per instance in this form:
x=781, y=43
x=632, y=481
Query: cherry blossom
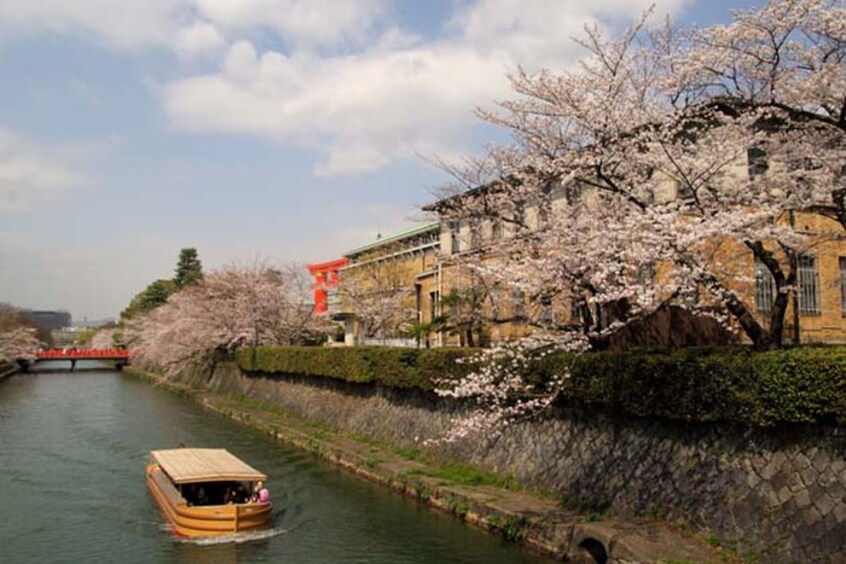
x=653, y=175
x=231, y=307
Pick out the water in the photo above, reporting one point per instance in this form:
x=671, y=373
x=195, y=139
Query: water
x=72, y=452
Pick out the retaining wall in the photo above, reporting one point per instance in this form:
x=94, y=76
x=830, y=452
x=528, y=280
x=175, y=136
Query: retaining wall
x=774, y=495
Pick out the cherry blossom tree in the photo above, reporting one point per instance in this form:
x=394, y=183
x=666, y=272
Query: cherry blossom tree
x=655, y=172
x=231, y=307
x=18, y=339
x=380, y=297
x=104, y=338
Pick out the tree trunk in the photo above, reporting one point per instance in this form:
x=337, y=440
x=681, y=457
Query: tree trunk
x=778, y=310
x=839, y=197
x=759, y=336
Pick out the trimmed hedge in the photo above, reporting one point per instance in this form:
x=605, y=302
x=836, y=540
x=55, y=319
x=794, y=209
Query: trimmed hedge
x=801, y=385
x=394, y=367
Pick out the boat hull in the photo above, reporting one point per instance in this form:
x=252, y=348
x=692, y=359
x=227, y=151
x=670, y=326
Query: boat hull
x=210, y=520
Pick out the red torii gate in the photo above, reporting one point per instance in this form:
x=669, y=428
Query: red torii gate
x=120, y=355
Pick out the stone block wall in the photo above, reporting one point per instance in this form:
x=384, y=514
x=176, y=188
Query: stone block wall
x=778, y=495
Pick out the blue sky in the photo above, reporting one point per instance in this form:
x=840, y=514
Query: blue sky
x=287, y=130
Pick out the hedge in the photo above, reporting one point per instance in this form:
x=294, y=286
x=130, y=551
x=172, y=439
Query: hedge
x=395, y=367
x=800, y=385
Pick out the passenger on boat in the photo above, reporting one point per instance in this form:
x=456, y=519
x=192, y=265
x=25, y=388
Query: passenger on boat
x=236, y=493
x=260, y=493
x=198, y=496
x=242, y=493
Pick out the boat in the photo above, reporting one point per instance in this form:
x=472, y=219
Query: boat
x=206, y=491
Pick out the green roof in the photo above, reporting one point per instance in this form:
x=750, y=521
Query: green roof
x=394, y=237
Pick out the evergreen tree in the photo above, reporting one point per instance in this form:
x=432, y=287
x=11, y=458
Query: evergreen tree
x=154, y=295
x=189, y=269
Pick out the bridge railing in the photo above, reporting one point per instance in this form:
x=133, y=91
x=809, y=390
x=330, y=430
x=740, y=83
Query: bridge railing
x=74, y=354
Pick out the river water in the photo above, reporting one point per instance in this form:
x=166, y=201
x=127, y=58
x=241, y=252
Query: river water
x=72, y=452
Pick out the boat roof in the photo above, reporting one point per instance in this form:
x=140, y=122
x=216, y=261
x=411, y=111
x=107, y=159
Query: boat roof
x=191, y=465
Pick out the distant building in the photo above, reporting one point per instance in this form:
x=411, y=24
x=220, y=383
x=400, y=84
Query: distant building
x=326, y=279
x=382, y=290
x=65, y=337
x=49, y=320
x=86, y=323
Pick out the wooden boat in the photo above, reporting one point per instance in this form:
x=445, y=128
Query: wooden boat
x=205, y=491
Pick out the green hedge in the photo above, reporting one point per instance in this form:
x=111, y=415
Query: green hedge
x=395, y=367
x=801, y=385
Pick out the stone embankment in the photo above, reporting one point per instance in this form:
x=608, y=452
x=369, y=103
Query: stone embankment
x=7, y=370
x=774, y=495
x=533, y=519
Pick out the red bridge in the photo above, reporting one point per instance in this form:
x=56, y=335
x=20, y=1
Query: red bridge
x=120, y=355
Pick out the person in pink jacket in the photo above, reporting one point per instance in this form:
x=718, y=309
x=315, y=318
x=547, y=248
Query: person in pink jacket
x=260, y=493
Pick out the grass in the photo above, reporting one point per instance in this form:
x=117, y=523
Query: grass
x=513, y=528
x=465, y=475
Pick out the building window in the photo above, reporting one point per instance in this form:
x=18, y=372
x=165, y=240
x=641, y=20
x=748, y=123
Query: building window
x=454, y=236
x=573, y=192
x=520, y=213
x=547, y=315
x=578, y=310
x=756, y=162
x=434, y=298
x=809, y=285
x=475, y=234
x=764, y=287
x=518, y=297
x=496, y=230
x=496, y=298
x=646, y=274
x=843, y=285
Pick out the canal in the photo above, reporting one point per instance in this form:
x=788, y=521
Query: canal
x=72, y=452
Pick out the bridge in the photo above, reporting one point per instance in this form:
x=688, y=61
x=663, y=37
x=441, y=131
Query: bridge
x=73, y=355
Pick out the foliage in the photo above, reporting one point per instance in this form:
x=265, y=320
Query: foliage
x=228, y=308
x=801, y=385
x=84, y=337
x=422, y=331
x=153, y=296
x=189, y=270
x=395, y=367
x=464, y=312
x=105, y=338
x=380, y=296
x=735, y=384
x=18, y=337
x=466, y=475
x=656, y=172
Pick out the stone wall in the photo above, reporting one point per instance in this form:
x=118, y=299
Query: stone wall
x=778, y=495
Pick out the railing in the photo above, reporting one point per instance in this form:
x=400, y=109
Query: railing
x=81, y=354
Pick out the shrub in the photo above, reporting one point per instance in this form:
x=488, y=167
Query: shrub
x=800, y=385
x=394, y=367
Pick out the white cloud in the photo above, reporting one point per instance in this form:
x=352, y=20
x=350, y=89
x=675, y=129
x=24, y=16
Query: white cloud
x=189, y=25
x=198, y=38
x=32, y=174
x=310, y=22
x=398, y=97
x=383, y=94
x=128, y=24
x=367, y=108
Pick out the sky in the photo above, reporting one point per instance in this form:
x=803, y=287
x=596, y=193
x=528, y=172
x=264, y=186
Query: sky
x=276, y=130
